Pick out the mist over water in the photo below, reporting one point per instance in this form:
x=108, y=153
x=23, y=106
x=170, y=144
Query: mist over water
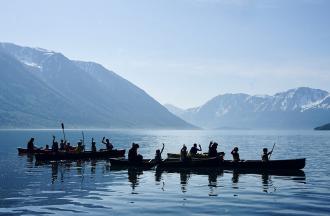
x=93, y=187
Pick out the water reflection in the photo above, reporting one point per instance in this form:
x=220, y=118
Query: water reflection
x=62, y=170
x=133, y=177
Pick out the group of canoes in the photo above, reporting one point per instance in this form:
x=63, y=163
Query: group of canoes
x=213, y=158
x=65, y=146
x=213, y=152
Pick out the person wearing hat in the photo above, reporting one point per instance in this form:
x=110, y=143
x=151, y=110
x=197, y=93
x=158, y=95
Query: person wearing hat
x=265, y=155
x=235, y=154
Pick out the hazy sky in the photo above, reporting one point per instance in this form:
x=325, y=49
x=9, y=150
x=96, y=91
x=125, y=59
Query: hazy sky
x=184, y=52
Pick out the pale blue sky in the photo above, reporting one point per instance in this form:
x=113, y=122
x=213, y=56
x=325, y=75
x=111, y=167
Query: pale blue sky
x=184, y=52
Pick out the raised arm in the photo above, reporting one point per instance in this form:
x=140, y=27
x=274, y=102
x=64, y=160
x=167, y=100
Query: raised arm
x=53, y=139
x=200, y=147
x=103, y=141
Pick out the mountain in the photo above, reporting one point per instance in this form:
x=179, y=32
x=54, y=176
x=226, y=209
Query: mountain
x=296, y=108
x=323, y=127
x=40, y=88
x=173, y=109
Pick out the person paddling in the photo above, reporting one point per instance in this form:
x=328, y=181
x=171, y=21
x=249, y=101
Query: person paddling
x=80, y=147
x=213, y=152
x=158, y=155
x=235, y=154
x=55, y=145
x=107, y=143
x=133, y=156
x=183, y=153
x=193, y=151
x=93, y=145
x=62, y=145
x=30, y=145
x=265, y=155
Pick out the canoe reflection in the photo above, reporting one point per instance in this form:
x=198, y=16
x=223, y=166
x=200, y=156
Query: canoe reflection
x=62, y=170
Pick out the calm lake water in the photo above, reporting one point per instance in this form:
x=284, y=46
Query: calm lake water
x=93, y=187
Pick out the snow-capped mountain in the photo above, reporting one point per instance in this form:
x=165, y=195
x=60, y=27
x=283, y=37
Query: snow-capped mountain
x=40, y=88
x=296, y=108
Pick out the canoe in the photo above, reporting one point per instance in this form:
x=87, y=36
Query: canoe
x=145, y=163
x=34, y=151
x=52, y=156
x=293, y=164
x=177, y=156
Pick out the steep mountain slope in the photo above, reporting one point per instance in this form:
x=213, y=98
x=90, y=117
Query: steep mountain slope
x=296, y=108
x=40, y=88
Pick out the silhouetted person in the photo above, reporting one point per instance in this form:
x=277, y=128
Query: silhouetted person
x=158, y=156
x=55, y=145
x=62, y=145
x=68, y=147
x=30, y=145
x=133, y=156
x=47, y=147
x=193, y=151
x=108, y=144
x=183, y=153
x=235, y=154
x=80, y=147
x=265, y=155
x=213, y=152
x=93, y=145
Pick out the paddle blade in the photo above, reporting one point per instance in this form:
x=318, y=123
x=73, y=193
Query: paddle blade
x=62, y=126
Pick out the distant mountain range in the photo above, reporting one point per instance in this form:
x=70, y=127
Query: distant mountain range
x=323, y=127
x=41, y=88
x=299, y=108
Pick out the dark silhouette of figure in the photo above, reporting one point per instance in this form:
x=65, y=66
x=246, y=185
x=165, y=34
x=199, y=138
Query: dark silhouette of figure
x=265, y=155
x=235, y=154
x=62, y=145
x=133, y=156
x=30, y=145
x=213, y=152
x=193, y=151
x=80, y=147
x=158, y=155
x=47, y=147
x=108, y=144
x=55, y=145
x=93, y=145
x=183, y=153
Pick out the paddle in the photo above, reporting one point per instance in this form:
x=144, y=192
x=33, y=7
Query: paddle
x=271, y=151
x=83, y=141
x=63, y=131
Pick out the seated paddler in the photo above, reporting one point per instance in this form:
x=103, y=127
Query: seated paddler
x=107, y=143
x=158, y=155
x=133, y=155
x=235, y=154
x=193, y=151
x=93, y=149
x=265, y=155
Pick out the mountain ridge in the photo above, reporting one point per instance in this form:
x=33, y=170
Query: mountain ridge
x=41, y=88
x=301, y=107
